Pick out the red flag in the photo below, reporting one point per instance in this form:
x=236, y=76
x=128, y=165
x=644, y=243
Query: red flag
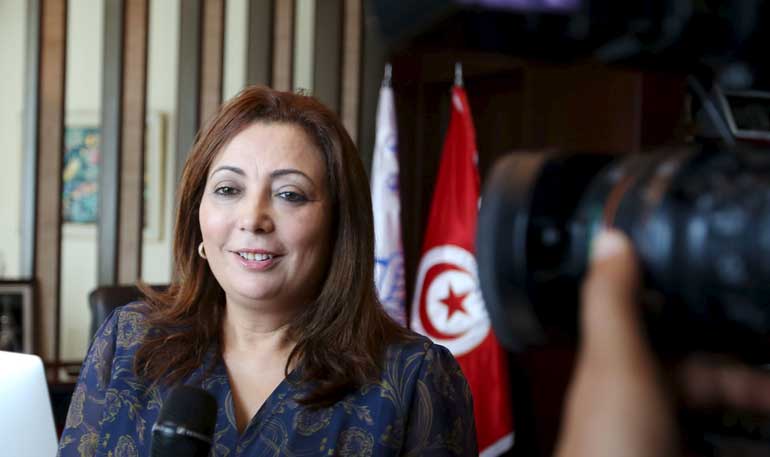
x=447, y=305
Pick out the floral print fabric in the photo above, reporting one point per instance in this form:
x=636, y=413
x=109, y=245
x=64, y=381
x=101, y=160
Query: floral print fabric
x=421, y=406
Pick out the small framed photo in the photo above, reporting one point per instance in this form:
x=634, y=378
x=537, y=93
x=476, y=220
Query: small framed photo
x=16, y=298
x=82, y=165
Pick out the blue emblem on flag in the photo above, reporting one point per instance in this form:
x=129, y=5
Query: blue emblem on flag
x=391, y=284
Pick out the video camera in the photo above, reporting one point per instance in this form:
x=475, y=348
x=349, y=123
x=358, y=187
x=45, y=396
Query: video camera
x=698, y=216
x=698, y=213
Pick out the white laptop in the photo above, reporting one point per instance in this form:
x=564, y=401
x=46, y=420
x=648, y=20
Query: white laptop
x=26, y=419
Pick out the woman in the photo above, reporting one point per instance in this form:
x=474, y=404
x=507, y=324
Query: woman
x=273, y=310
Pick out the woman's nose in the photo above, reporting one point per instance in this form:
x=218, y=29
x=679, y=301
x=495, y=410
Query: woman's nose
x=257, y=215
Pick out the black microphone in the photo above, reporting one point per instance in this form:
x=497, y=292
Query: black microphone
x=185, y=426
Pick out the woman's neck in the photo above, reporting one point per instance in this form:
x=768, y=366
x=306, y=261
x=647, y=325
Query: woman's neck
x=256, y=332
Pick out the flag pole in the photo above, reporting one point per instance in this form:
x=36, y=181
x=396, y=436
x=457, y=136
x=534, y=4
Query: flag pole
x=388, y=75
x=458, y=74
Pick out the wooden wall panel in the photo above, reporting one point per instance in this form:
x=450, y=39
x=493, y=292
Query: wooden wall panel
x=283, y=45
x=201, y=53
x=259, y=60
x=327, y=70
x=189, y=81
x=569, y=108
x=351, y=66
x=124, y=91
x=665, y=113
x=373, y=59
x=111, y=131
x=212, y=57
x=53, y=46
x=136, y=28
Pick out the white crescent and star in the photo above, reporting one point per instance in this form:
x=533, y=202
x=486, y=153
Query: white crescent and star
x=448, y=306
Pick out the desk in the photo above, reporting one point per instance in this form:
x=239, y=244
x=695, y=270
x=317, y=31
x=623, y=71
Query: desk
x=61, y=395
x=62, y=379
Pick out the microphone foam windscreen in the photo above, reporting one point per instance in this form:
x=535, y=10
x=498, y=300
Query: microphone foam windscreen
x=192, y=408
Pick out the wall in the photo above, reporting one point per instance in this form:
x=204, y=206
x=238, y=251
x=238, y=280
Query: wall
x=234, y=72
x=163, y=49
x=82, y=103
x=84, y=73
x=304, y=28
x=12, y=56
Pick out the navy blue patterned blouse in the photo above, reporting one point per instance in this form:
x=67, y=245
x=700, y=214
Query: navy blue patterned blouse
x=421, y=406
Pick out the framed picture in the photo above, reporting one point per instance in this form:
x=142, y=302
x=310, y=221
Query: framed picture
x=81, y=167
x=16, y=298
x=80, y=176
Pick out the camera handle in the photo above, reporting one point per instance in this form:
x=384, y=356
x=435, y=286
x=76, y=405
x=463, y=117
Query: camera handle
x=711, y=109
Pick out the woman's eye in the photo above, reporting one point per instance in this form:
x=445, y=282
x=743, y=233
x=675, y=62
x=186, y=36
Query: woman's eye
x=292, y=197
x=226, y=190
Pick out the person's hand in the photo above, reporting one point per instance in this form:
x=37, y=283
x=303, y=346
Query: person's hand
x=619, y=402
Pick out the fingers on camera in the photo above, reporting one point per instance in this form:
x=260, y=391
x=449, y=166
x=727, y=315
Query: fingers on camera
x=712, y=382
x=610, y=310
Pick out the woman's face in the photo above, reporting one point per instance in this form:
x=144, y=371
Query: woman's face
x=265, y=217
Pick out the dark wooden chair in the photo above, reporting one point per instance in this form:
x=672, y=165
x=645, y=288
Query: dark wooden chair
x=104, y=299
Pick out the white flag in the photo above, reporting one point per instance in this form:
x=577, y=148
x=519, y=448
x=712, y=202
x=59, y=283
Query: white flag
x=388, y=250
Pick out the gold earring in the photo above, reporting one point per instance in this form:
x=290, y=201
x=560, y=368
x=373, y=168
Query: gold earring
x=201, y=252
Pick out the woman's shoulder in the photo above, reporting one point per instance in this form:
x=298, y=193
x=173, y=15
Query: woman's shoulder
x=135, y=310
x=419, y=354
x=113, y=346
x=437, y=398
x=126, y=325
x=415, y=345
x=139, y=308
x=132, y=323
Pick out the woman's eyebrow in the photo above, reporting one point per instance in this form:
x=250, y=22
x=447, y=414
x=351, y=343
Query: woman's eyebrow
x=289, y=171
x=273, y=175
x=235, y=170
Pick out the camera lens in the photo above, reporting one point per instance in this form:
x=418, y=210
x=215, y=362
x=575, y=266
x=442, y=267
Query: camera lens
x=699, y=219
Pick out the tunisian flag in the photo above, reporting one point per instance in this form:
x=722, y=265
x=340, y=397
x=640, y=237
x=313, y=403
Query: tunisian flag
x=447, y=305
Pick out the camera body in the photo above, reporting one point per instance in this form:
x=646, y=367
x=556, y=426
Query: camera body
x=696, y=213
x=698, y=216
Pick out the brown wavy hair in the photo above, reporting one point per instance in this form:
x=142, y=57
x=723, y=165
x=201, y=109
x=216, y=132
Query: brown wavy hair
x=341, y=337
